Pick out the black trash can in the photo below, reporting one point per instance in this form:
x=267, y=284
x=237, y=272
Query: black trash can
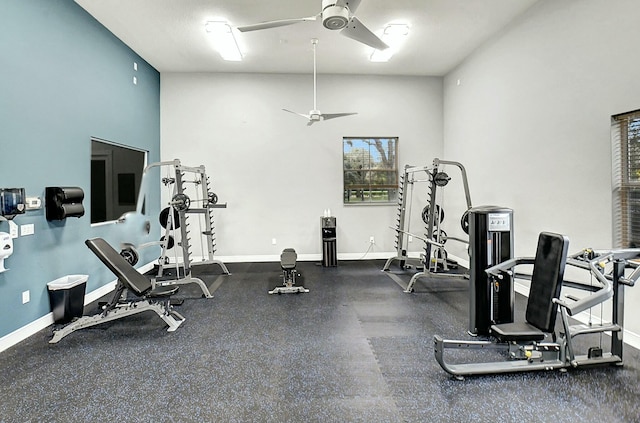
x=66, y=297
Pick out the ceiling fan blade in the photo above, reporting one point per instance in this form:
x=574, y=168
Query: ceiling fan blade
x=326, y=116
x=352, y=5
x=357, y=31
x=299, y=114
x=274, y=24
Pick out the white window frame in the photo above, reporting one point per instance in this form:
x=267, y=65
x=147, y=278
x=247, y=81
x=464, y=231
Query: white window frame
x=360, y=168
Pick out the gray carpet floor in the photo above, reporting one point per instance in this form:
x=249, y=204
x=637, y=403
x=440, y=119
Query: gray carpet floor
x=356, y=348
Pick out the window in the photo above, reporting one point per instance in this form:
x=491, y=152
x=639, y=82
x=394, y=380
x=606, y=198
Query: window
x=116, y=174
x=625, y=138
x=370, y=167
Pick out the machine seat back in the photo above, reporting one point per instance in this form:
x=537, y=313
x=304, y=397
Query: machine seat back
x=288, y=258
x=126, y=274
x=546, y=283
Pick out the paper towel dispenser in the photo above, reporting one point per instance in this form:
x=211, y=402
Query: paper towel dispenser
x=63, y=202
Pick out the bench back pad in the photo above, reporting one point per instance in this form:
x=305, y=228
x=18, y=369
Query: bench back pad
x=127, y=274
x=288, y=258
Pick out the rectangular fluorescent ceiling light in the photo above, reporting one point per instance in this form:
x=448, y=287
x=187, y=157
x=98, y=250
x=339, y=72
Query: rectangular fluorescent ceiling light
x=393, y=36
x=221, y=35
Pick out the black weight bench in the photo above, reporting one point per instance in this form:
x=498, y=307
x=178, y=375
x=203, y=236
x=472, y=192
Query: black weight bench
x=128, y=279
x=288, y=264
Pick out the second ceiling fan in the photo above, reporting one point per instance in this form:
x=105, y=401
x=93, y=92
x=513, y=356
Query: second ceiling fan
x=315, y=115
x=336, y=15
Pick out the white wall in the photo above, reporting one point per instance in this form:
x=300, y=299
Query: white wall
x=277, y=174
x=529, y=115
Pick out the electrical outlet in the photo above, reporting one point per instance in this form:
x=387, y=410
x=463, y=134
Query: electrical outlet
x=26, y=297
x=273, y=241
x=410, y=238
x=372, y=240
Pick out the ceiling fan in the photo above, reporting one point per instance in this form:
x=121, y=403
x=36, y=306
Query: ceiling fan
x=336, y=14
x=315, y=115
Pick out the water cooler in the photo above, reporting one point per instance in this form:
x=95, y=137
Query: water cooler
x=490, y=243
x=329, y=250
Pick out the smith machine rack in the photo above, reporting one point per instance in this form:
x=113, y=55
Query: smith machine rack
x=175, y=217
x=432, y=216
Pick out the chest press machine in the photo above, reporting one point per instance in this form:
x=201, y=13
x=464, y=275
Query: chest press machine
x=156, y=299
x=288, y=264
x=525, y=342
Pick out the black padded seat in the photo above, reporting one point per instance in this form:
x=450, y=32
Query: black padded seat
x=162, y=291
x=517, y=331
x=546, y=283
x=288, y=259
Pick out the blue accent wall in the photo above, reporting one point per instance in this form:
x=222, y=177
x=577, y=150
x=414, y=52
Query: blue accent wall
x=64, y=78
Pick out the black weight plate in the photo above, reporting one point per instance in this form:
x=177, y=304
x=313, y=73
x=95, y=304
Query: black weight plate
x=181, y=202
x=464, y=222
x=440, y=211
x=170, y=243
x=130, y=255
x=164, y=218
x=425, y=214
x=441, y=236
x=441, y=179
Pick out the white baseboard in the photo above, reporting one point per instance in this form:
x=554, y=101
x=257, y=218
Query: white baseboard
x=318, y=257
x=301, y=257
x=43, y=322
x=630, y=338
x=26, y=331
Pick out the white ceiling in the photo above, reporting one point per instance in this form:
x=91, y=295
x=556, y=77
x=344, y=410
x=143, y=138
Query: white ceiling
x=170, y=35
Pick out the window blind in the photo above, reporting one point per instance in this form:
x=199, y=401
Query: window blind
x=625, y=143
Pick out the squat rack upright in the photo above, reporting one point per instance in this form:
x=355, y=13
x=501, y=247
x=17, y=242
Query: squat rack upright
x=177, y=213
x=436, y=178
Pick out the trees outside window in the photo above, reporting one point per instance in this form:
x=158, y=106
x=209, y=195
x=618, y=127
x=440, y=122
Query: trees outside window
x=370, y=167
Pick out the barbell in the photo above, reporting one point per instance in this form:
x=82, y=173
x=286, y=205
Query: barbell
x=182, y=202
